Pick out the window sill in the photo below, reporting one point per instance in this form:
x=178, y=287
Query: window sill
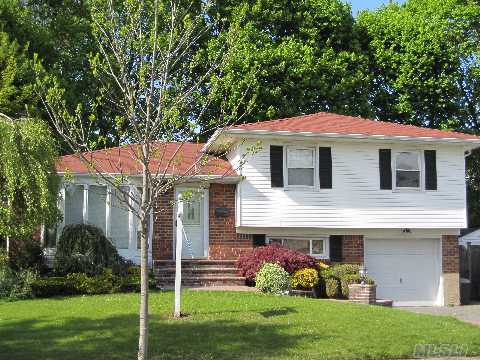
x=408, y=190
x=301, y=188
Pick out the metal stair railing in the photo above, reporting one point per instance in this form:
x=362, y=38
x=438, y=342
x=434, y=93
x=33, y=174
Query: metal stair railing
x=187, y=242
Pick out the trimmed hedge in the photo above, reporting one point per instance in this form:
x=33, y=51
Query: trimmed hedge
x=334, y=280
x=249, y=264
x=84, y=284
x=53, y=286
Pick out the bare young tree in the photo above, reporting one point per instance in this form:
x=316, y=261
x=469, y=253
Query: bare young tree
x=147, y=65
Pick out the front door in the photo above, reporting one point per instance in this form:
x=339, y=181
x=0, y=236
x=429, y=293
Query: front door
x=192, y=210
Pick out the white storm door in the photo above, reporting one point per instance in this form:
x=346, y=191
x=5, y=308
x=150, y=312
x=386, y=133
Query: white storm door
x=192, y=223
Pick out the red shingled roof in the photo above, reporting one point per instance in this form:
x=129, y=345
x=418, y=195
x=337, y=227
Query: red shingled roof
x=122, y=160
x=328, y=123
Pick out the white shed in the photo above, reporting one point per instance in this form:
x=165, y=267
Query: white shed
x=471, y=235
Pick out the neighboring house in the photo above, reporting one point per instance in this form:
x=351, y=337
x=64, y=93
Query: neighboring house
x=340, y=188
x=471, y=235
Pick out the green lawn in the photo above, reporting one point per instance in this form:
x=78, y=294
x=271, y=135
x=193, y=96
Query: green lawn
x=221, y=325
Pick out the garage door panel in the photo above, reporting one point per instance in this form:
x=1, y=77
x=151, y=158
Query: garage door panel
x=405, y=270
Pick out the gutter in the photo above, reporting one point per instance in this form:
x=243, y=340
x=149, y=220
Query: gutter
x=231, y=179
x=303, y=134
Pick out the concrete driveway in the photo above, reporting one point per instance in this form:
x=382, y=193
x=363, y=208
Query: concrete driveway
x=467, y=313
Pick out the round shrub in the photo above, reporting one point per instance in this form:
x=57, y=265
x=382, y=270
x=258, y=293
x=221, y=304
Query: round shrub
x=305, y=278
x=85, y=249
x=332, y=287
x=272, y=278
x=249, y=264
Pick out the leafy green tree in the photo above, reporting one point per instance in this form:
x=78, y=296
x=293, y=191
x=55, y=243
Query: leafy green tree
x=17, y=95
x=424, y=57
x=291, y=57
x=59, y=34
x=28, y=181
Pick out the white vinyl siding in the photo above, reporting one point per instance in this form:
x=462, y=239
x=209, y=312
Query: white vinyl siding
x=356, y=201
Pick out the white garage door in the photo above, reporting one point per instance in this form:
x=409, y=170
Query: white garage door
x=406, y=271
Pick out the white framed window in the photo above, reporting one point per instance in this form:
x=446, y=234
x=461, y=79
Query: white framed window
x=74, y=198
x=407, y=170
x=119, y=220
x=316, y=246
x=300, y=166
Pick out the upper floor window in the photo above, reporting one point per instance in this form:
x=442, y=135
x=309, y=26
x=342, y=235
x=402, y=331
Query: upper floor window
x=300, y=166
x=407, y=170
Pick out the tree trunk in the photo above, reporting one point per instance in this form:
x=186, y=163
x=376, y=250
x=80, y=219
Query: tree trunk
x=143, y=333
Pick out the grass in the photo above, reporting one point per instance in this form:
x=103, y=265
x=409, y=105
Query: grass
x=221, y=325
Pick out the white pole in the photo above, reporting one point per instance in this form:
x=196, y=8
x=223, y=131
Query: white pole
x=178, y=261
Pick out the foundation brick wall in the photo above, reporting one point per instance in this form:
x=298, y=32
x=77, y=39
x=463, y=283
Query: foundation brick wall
x=162, y=242
x=225, y=243
x=352, y=249
x=450, y=269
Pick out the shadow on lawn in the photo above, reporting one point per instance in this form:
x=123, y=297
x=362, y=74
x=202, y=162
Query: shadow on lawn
x=116, y=338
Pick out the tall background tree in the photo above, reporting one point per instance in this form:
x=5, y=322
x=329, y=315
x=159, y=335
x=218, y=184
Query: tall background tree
x=296, y=57
x=59, y=34
x=424, y=58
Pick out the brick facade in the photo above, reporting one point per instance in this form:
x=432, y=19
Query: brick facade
x=225, y=243
x=162, y=242
x=352, y=249
x=450, y=254
x=450, y=269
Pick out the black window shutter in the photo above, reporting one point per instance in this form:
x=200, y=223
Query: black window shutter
x=258, y=239
x=385, y=165
x=325, y=167
x=276, y=165
x=430, y=169
x=336, y=248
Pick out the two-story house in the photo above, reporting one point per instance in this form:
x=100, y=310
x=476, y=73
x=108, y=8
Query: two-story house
x=340, y=188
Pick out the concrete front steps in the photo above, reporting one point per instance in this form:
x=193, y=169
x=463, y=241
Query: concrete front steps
x=198, y=273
